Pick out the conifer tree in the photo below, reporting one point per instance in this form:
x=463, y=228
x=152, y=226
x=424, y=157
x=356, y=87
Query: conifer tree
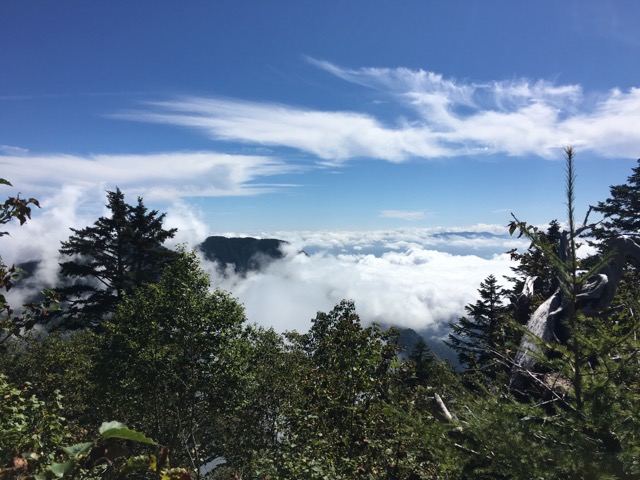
x=422, y=358
x=621, y=211
x=534, y=271
x=111, y=258
x=533, y=263
x=621, y=216
x=590, y=379
x=481, y=338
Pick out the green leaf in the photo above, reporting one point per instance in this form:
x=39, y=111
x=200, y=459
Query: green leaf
x=175, y=474
x=120, y=430
x=109, y=425
x=78, y=449
x=5, y=182
x=62, y=469
x=139, y=462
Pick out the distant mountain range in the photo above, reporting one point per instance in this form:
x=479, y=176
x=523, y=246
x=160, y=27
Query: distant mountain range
x=244, y=253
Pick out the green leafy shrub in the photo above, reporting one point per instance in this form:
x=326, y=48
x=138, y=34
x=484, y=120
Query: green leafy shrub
x=30, y=429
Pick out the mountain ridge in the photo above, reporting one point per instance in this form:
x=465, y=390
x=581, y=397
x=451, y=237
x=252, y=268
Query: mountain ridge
x=246, y=254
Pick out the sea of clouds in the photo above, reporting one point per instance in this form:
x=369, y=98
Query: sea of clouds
x=415, y=277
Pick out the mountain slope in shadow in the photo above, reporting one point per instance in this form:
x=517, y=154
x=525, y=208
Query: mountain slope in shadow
x=246, y=254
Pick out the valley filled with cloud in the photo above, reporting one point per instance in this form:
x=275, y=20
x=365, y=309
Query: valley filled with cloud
x=412, y=277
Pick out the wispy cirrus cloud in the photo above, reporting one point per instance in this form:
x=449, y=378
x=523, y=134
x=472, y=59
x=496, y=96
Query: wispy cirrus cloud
x=331, y=136
x=445, y=118
x=410, y=215
x=516, y=117
x=163, y=176
x=13, y=150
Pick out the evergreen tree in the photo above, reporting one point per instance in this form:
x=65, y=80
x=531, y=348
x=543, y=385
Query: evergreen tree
x=621, y=216
x=481, y=340
x=532, y=263
x=621, y=211
x=534, y=278
x=590, y=380
x=110, y=258
x=422, y=359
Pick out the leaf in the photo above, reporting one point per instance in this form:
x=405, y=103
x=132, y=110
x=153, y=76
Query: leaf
x=175, y=474
x=5, y=182
x=120, y=430
x=78, y=449
x=139, y=462
x=109, y=425
x=62, y=469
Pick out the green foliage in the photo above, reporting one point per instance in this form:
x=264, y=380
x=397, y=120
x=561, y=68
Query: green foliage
x=30, y=429
x=111, y=258
x=58, y=363
x=102, y=458
x=15, y=207
x=621, y=211
x=534, y=271
x=484, y=340
x=175, y=360
x=347, y=376
x=120, y=430
x=172, y=360
x=12, y=323
x=592, y=379
x=269, y=392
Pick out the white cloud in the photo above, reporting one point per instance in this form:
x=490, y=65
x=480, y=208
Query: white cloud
x=450, y=118
x=40, y=237
x=409, y=215
x=493, y=238
x=331, y=136
x=411, y=277
x=162, y=176
x=414, y=287
x=191, y=228
x=401, y=276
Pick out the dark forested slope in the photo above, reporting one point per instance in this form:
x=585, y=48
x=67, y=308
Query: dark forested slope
x=244, y=253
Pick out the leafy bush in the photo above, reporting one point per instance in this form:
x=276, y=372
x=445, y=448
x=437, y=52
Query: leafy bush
x=30, y=429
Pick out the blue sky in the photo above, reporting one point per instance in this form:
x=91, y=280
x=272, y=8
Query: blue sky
x=391, y=140
x=288, y=115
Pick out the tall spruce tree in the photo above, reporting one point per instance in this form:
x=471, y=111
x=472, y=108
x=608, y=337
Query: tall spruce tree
x=482, y=338
x=110, y=258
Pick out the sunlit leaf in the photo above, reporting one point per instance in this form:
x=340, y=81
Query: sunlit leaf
x=139, y=462
x=109, y=425
x=175, y=474
x=62, y=469
x=78, y=449
x=120, y=430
